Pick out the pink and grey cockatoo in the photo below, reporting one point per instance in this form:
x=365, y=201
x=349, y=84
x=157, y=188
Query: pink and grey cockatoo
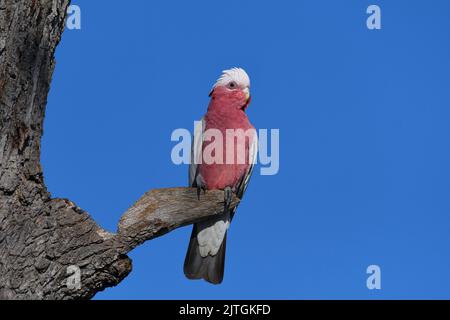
x=230, y=96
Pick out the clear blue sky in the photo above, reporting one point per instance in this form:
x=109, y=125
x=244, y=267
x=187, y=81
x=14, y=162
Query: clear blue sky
x=364, y=119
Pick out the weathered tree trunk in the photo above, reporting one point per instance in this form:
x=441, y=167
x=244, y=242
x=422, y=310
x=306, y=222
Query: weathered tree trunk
x=41, y=237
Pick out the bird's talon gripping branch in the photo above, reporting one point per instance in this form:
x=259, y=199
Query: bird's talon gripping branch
x=201, y=185
x=228, y=196
x=199, y=190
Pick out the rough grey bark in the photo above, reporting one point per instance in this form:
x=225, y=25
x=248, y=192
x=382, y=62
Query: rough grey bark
x=40, y=236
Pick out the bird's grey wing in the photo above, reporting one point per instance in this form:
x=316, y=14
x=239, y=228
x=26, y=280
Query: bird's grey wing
x=243, y=183
x=196, y=151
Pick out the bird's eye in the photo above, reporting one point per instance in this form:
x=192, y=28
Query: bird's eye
x=232, y=85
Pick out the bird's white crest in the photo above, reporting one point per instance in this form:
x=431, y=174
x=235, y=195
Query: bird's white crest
x=237, y=75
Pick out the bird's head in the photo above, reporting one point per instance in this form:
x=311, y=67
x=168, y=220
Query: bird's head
x=233, y=87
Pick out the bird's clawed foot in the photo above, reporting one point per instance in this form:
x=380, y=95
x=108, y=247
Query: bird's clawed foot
x=228, y=196
x=199, y=190
x=201, y=185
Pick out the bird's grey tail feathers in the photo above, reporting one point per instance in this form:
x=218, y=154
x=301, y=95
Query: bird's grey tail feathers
x=209, y=268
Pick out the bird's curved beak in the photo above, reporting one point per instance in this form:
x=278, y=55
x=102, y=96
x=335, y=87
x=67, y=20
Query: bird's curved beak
x=248, y=98
x=247, y=93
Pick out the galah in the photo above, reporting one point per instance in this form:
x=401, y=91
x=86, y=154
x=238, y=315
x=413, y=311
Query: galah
x=229, y=99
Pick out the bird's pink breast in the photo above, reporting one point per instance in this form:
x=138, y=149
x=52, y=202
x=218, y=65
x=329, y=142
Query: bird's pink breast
x=216, y=175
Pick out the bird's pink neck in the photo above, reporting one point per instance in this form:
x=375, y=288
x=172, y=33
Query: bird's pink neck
x=226, y=113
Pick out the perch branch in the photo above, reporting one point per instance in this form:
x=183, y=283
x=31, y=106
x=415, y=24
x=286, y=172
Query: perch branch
x=162, y=210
